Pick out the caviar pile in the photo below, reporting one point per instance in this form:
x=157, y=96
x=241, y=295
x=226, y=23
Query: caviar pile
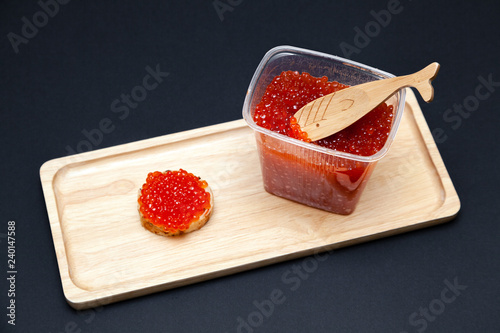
x=173, y=199
x=290, y=91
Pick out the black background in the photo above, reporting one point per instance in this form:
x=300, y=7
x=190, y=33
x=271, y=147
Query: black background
x=64, y=79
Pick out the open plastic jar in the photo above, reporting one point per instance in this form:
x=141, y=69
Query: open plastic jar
x=307, y=173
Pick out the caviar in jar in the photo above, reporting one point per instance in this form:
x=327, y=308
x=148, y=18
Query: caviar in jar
x=328, y=182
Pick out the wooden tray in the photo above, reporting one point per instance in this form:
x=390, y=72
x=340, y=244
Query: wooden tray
x=105, y=255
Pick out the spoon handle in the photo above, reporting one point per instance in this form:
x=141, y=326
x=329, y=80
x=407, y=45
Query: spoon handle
x=420, y=80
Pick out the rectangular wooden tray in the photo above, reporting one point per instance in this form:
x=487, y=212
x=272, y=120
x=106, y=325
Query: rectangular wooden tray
x=105, y=255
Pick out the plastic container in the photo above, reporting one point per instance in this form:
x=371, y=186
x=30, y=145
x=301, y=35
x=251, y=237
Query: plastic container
x=310, y=174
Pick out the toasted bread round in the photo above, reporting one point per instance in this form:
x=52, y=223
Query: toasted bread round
x=193, y=225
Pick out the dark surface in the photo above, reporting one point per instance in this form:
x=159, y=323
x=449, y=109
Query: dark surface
x=65, y=78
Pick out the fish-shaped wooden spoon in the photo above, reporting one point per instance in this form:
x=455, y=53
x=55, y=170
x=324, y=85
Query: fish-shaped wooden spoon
x=331, y=113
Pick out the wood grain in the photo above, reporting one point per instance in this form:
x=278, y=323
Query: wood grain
x=105, y=255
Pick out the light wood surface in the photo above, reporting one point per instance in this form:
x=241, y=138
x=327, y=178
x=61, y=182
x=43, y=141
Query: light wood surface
x=331, y=113
x=105, y=255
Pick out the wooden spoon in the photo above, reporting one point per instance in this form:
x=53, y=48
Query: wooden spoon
x=331, y=113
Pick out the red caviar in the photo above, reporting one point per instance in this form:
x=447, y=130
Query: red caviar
x=173, y=199
x=290, y=91
x=325, y=181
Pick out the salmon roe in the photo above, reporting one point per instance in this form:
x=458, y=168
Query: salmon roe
x=172, y=200
x=290, y=91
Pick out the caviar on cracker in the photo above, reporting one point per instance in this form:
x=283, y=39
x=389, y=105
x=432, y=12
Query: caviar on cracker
x=174, y=202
